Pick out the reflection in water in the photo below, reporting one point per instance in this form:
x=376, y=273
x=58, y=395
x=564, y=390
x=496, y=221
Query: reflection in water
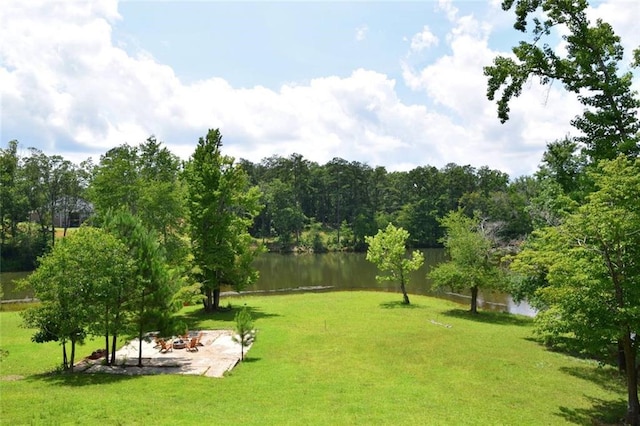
x=341, y=271
x=10, y=291
x=349, y=271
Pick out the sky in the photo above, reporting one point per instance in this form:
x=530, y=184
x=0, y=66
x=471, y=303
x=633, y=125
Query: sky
x=393, y=84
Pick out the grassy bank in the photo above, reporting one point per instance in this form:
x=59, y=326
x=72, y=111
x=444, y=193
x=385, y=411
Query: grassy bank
x=330, y=358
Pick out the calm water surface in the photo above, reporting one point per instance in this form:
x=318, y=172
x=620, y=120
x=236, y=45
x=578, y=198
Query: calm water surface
x=341, y=271
x=9, y=288
x=351, y=271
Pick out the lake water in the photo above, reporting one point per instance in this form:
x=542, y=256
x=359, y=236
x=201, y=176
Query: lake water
x=349, y=271
x=340, y=271
x=9, y=290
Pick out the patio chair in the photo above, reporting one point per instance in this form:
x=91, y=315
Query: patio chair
x=165, y=346
x=198, y=338
x=192, y=345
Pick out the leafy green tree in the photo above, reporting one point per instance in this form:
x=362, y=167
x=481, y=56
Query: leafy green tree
x=221, y=207
x=146, y=301
x=286, y=216
x=456, y=181
x=363, y=225
x=419, y=212
x=36, y=171
x=146, y=181
x=115, y=183
x=314, y=240
x=19, y=246
x=245, y=333
x=68, y=281
x=162, y=197
x=73, y=182
x=563, y=164
x=472, y=265
x=13, y=203
x=588, y=273
x=387, y=250
x=590, y=69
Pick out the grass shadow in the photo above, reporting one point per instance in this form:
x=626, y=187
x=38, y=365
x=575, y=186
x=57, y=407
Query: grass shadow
x=397, y=304
x=601, y=412
x=607, y=378
x=194, y=318
x=489, y=317
x=80, y=378
x=250, y=359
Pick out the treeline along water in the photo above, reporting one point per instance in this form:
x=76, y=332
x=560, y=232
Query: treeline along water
x=340, y=271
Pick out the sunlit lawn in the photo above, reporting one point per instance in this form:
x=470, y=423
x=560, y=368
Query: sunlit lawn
x=329, y=358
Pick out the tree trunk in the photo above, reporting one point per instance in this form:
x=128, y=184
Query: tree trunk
x=106, y=335
x=216, y=298
x=140, y=347
x=140, y=331
x=53, y=227
x=405, y=296
x=208, y=300
x=633, y=404
x=622, y=363
x=65, y=364
x=212, y=300
x=73, y=354
x=474, y=299
x=114, y=339
x=106, y=348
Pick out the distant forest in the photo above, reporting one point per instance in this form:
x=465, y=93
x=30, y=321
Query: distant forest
x=306, y=206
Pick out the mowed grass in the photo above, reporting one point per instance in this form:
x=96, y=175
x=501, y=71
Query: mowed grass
x=329, y=358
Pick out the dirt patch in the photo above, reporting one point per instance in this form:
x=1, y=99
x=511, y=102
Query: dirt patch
x=216, y=355
x=11, y=378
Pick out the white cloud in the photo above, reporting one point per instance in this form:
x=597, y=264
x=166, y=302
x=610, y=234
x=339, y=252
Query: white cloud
x=449, y=9
x=361, y=32
x=423, y=40
x=456, y=83
x=67, y=88
x=80, y=94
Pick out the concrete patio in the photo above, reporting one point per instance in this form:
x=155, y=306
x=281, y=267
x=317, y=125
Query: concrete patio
x=217, y=354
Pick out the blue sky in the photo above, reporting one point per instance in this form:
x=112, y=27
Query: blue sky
x=394, y=84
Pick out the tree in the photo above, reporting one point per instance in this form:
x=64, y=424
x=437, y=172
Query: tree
x=162, y=196
x=590, y=286
x=115, y=183
x=146, y=181
x=221, y=207
x=36, y=170
x=245, y=333
x=67, y=283
x=472, y=264
x=71, y=203
x=562, y=163
x=286, y=216
x=387, y=251
x=609, y=123
x=13, y=205
x=146, y=301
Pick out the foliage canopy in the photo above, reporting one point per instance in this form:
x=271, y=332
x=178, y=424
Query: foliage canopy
x=387, y=250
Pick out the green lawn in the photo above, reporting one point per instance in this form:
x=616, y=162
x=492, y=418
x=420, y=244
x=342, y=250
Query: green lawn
x=329, y=358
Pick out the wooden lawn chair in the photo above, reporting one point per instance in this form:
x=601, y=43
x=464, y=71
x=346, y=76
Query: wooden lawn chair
x=192, y=345
x=165, y=346
x=198, y=338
